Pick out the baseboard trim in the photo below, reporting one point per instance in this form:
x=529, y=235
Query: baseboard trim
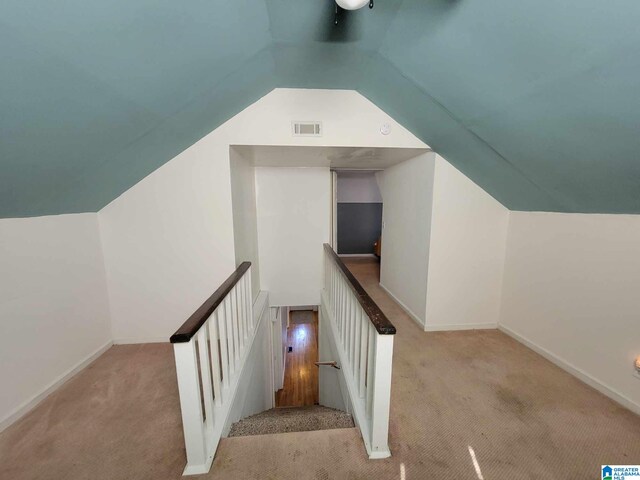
x=610, y=392
x=408, y=311
x=133, y=341
x=461, y=326
x=33, y=402
x=356, y=255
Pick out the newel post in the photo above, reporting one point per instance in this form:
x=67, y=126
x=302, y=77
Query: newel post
x=381, y=396
x=190, y=405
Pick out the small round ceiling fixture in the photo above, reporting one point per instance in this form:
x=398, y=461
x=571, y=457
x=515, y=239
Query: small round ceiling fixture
x=354, y=4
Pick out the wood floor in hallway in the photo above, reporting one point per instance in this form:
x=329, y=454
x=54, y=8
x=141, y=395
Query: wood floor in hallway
x=301, y=374
x=453, y=394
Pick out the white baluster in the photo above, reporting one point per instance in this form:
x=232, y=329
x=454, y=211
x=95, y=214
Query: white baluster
x=352, y=343
x=215, y=357
x=242, y=319
x=237, y=300
x=334, y=271
x=352, y=307
x=338, y=304
x=228, y=316
x=345, y=325
x=356, y=344
x=336, y=284
x=347, y=319
x=370, y=358
x=222, y=323
x=248, y=276
x=247, y=300
x=236, y=328
x=238, y=296
x=243, y=308
x=364, y=338
x=342, y=310
x=205, y=375
x=246, y=282
x=246, y=327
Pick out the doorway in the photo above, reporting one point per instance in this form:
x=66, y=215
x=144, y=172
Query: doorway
x=357, y=211
x=300, y=385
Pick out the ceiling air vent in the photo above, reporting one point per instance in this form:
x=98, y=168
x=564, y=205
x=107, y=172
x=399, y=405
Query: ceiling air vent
x=307, y=129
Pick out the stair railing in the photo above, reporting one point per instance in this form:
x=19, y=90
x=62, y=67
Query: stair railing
x=364, y=339
x=210, y=349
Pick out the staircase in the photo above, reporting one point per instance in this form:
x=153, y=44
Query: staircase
x=292, y=419
x=223, y=349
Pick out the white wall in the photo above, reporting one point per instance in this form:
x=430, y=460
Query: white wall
x=407, y=190
x=443, y=245
x=53, y=305
x=294, y=207
x=168, y=244
x=169, y=240
x=466, y=255
x=571, y=291
x=358, y=187
x=245, y=222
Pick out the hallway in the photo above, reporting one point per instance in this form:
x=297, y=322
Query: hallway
x=455, y=396
x=301, y=374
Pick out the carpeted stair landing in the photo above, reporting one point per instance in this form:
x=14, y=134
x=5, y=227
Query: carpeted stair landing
x=292, y=419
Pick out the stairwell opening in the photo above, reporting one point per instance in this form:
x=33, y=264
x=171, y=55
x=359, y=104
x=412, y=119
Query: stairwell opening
x=300, y=385
x=297, y=401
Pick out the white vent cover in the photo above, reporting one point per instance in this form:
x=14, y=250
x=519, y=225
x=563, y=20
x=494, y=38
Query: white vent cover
x=307, y=129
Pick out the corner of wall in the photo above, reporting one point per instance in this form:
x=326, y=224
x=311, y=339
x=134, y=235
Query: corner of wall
x=464, y=218
x=416, y=318
x=433, y=188
x=504, y=268
x=105, y=276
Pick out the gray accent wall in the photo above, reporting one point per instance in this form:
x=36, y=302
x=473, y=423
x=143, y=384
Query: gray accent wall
x=359, y=227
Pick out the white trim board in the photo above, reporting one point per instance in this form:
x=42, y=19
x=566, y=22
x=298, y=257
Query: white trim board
x=460, y=326
x=33, y=402
x=576, y=372
x=133, y=341
x=407, y=310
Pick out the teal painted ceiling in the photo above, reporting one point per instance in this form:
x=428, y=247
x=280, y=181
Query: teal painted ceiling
x=537, y=102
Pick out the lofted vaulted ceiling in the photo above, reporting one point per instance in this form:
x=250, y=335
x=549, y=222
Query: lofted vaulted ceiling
x=537, y=102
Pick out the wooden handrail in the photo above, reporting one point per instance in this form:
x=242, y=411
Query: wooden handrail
x=378, y=319
x=200, y=316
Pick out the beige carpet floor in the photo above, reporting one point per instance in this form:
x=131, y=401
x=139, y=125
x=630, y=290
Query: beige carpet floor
x=452, y=392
